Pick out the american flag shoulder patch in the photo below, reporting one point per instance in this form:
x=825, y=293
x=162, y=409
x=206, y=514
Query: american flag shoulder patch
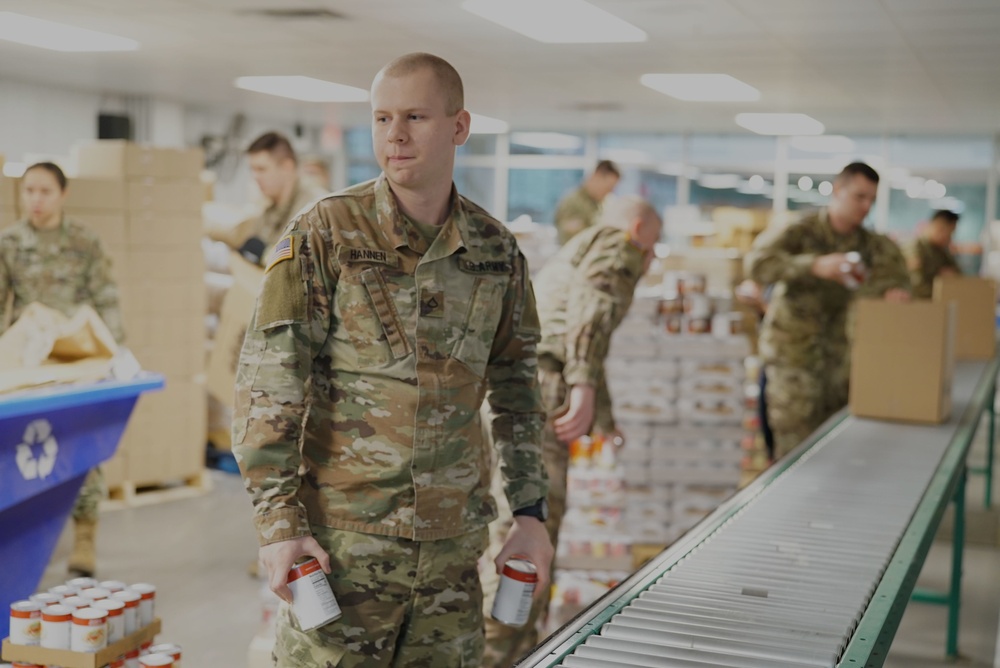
x=283, y=250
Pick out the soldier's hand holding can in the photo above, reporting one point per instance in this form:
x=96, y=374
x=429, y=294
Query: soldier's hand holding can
x=845, y=268
x=279, y=558
x=529, y=540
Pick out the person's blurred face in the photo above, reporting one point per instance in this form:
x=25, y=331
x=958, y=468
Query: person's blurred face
x=272, y=176
x=851, y=201
x=941, y=232
x=41, y=195
x=604, y=185
x=413, y=135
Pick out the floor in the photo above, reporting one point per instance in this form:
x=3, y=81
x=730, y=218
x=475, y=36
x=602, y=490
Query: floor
x=197, y=550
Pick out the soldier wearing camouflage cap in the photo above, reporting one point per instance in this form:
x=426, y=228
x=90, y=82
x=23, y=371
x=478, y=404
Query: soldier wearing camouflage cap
x=584, y=293
x=61, y=264
x=388, y=312
x=930, y=256
x=804, y=339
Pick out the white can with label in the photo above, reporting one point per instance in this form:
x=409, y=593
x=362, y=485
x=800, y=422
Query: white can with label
x=82, y=583
x=75, y=602
x=57, y=621
x=64, y=591
x=113, y=586
x=147, y=602
x=132, y=658
x=156, y=661
x=518, y=580
x=95, y=594
x=116, y=618
x=170, y=649
x=45, y=598
x=25, y=622
x=312, y=599
x=90, y=630
x=131, y=615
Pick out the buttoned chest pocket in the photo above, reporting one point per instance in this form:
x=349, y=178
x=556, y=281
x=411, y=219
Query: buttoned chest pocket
x=480, y=326
x=369, y=317
x=51, y=278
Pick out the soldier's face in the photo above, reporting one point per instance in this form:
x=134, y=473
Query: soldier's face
x=413, y=135
x=852, y=200
x=41, y=194
x=272, y=176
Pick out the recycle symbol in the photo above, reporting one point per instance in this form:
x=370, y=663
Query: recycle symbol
x=37, y=436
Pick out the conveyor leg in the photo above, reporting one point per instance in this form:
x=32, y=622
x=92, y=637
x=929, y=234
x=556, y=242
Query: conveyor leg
x=957, y=553
x=990, y=444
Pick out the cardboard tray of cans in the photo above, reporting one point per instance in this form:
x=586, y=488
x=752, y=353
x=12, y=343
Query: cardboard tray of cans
x=66, y=659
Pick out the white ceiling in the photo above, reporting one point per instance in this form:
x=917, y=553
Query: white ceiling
x=859, y=66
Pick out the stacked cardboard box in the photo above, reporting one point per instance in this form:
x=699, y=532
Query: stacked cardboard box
x=8, y=199
x=145, y=204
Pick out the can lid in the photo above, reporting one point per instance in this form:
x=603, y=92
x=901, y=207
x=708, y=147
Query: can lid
x=82, y=583
x=157, y=660
x=86, y=615
x=303, y=569
x=75, y=602
x=143, y=588
x=166, y=648
x=57, y=613
x=112, y=605
x=521, y=570
x=45, y=597
x=128, y=596
x=113, y=585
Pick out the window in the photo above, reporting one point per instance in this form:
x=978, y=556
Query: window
x=536, y=192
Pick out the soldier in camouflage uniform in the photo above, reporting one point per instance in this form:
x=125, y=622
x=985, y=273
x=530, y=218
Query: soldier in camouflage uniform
x=929, y=256
x=274, y=166
x=584, y=293
x=804, y=340
x=60, y=264
x=581, y=208
x=388, y=312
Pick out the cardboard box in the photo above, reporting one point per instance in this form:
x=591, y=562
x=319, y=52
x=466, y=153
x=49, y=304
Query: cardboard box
x=237, y=310
x=153, y=229
x=109, y=226
x=178, y=197
x=123, y=159
x=34, y=654
x=7, y=217
x=163, y=265
x=95, y=194
x=9, y=195
x=975, y=329
x=902, y=362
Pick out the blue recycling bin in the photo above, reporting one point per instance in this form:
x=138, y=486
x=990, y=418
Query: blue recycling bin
x=49, y=439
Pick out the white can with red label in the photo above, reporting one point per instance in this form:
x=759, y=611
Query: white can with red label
x=131, y=614
x=116, y=617
x=170, y=649
x=156, y=661
x=90, y=630
x=147, y=602
x=25, y=622
x=518, y=580
x=57, y=622
x=312, y=599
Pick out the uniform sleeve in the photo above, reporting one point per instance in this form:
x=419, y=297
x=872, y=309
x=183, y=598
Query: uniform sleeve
x=104, y=293
x=604, y=419
x=290, y=323
x=6, y=294
x=887, y=269
x=777, y=256
x=915, y=261
x=596, y=306
x=571, y=218
x=513, y=394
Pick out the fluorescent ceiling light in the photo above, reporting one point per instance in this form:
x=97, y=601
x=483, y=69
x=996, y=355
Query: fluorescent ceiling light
x=720, y=181
x=14, y=170
x=825, y=188
x=557, y=21
x=59, y=36
x=553, y=141
x=485, y=125
x=805, y=183
x=780, y=124
x=701, y=87
x=823, y=144
x=302, y=88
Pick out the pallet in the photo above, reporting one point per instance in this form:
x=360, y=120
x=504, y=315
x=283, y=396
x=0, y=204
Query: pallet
x=130, y=495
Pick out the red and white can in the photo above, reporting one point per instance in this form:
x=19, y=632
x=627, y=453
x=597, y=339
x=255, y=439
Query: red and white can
x=131, y=614
x=90, y=630
x=57, y=622
x=156, y=660
x=117, y=663
x=312, y=599
x=25, y=622
x=75, y=602
x=170, y=649
x=64, y=591
x=147, y=602
x=18, y=664
x=132, y=658
x=95, y=594
x=116, y=617
x=518, y=580
x=82, y=583
x=113, y=586
x=45, y=598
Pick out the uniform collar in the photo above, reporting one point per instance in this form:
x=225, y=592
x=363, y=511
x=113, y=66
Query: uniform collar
x=30, y=234
x=400, y=233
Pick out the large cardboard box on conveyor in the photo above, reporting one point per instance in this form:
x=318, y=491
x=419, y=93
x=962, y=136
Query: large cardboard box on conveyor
x=976, y=300
x=903, y=360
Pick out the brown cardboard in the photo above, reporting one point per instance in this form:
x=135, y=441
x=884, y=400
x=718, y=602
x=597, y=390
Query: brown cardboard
x=975, y=331
x=109, y=226
x=62, y=657
x=182, y=197
x=7, y=217
x=148, y=228
x=237, y=309
x=163, y=265
x=122, y=159
x=902, y=361
x=90, y=194
x=8, y=192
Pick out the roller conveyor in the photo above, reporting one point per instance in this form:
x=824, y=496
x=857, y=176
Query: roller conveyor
x=811, y=565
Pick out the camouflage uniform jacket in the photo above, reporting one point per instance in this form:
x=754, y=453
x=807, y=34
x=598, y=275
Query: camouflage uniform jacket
x=808, y=318
x=584, y=293
x=269, y=225
x=926, y=260
x=367, y=360
x=62, y=268
x=576, y=212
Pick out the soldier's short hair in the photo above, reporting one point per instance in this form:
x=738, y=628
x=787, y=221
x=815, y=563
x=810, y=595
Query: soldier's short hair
x=446, y=75
x=53, y=169
x=945, y=216
x=274, y=143
x=857, y=169
x=607, y=167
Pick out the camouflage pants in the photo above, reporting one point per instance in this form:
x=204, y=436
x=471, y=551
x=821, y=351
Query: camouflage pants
x=505, y=644
x=91, y=493
x=405, y=604
x=800, y=400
